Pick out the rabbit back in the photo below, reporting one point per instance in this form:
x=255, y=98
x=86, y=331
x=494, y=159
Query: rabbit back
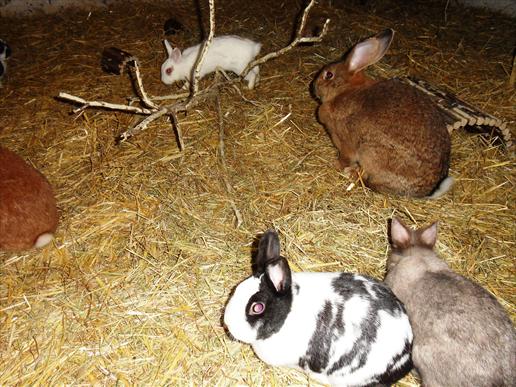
x=394, y=133
x=456, y=322
x=351, y=331
x=28, y=212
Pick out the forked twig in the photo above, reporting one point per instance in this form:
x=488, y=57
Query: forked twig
x=297, y=40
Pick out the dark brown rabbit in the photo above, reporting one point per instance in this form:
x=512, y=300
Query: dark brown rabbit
x=390, y=130
x=28, y=212
x=462, y=335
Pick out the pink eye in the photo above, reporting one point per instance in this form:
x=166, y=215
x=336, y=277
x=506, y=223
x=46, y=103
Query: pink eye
x=328, y=75
x=256, y=308
x=169, y=70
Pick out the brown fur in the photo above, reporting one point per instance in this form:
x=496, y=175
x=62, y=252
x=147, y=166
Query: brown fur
x=462, y=335
x=27, y=204
x=390, y=130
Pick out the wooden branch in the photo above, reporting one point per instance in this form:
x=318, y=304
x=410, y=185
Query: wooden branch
x=227, y=185
x=512, y=78
x=179, y=133
x=142, y=125
x=196, y=73
x=458, y=113
x=297, y=40
x=106, y=105
x=139, y=87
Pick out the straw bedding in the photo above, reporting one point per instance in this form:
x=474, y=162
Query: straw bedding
x=147, y=252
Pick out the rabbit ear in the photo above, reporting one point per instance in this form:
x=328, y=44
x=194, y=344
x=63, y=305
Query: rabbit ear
x=369, y=51
x=400, y=234
x=428, y=236
x=168, y=47
x=173, y=53
x=269, y=261
x=279, y=275
x=176, y=55
x=268, y=250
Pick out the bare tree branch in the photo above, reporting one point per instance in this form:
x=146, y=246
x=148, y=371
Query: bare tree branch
x=196, y=73
x=222, y=155
x=139, y=88
x=297, y=40
x=186, y=101
x=107, y=105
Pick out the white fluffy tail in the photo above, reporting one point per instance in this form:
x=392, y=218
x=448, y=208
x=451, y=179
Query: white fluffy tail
x=43, y=240
x=442, y=188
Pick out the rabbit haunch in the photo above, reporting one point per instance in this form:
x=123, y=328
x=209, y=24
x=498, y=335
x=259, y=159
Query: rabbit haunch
x=28, y=212
x=229, y=52
x=344, y=329
x=462, y=335
x=390, y=130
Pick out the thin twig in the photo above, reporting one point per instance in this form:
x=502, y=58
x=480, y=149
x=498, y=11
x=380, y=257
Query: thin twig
x=142, y=125
x=229, y=188
x=107, y=105
x=197, y=70
x=139, y=87
x=178, y=130
x=297, y=40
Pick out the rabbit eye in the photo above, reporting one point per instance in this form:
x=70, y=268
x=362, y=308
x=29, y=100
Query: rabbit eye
x=257, y=308
x=328, y=75
x=169, y=70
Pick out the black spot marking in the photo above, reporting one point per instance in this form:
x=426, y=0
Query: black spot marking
x=391, y=375
x=317, y=355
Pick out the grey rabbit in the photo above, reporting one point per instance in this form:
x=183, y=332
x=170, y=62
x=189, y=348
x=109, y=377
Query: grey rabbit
x=462, y=335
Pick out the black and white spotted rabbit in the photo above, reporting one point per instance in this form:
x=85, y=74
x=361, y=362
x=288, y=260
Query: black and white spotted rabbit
x=344, y=329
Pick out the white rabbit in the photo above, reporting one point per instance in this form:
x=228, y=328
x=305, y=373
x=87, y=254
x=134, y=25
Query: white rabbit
x=229, y=52
x=344, y=329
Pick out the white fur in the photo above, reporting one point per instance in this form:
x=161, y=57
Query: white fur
x=43, y=240
x=229, y=52
x=234, y=316
x=444, y=187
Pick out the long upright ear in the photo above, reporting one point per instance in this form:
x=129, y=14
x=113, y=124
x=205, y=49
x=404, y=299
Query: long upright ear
x=428, y=236
x=168, y=47
x=369, y=51
x=268, y=250
x=400, y=234
x=173, y=53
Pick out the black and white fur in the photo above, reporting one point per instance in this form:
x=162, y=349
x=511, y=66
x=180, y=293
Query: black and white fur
x=5, y=52
x=344, y=329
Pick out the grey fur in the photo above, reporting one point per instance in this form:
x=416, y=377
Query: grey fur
x=462, y=335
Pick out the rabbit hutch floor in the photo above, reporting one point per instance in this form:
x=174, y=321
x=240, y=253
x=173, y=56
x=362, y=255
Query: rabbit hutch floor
x=152, y=239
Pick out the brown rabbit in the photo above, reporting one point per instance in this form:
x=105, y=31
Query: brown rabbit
x=462, y=335
x=390, y=130
x=28, y=212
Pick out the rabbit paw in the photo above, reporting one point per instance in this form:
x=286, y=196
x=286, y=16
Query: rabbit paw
x=351, y=172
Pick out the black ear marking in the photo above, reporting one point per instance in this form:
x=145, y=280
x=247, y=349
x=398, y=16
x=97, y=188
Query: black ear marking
x=268, y=251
